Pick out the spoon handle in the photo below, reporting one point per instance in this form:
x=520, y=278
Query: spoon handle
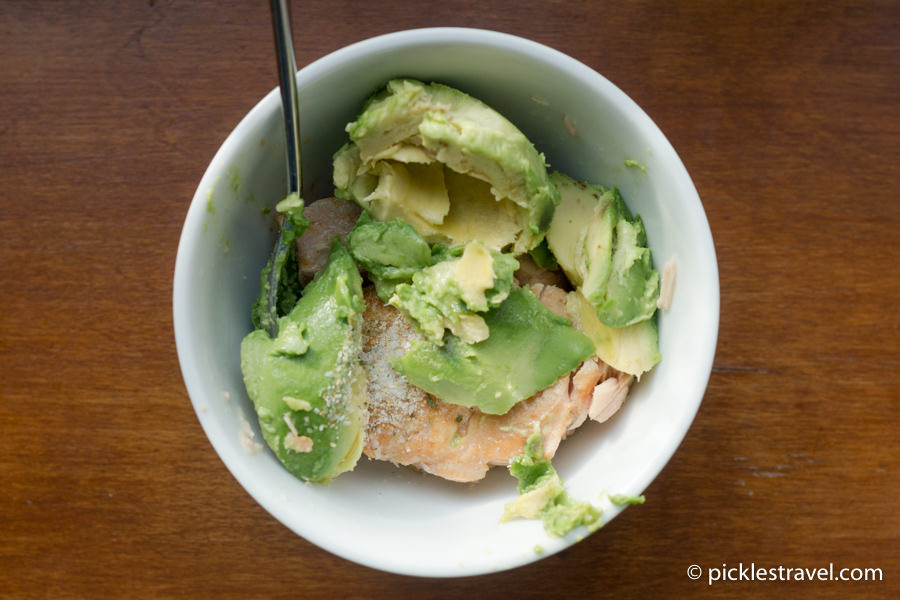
x=287, y=70
x=287, y=76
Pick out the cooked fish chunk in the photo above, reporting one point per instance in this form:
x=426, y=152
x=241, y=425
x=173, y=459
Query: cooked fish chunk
x=552, y=297
x=609, y=395
x=328, y=217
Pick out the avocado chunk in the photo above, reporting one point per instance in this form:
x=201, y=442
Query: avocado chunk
x=603, y=251
x=450, y=294
x=632, y=290
x=542, y=494
x=307, y=385
x=283, y=265
x=542, y=257
x=633, y=349
x=449, y=165
x=438, y=288
x=391, y=252
x=528, y=348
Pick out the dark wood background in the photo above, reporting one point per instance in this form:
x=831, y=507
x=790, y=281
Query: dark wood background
x=785, y=113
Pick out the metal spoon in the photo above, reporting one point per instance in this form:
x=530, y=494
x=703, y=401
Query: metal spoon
x=287, y=69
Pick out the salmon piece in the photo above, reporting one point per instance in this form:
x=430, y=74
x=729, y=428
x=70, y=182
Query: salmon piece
x=552, y=297
x=608, y=396
x=410, y=427
x=328, y=218
x=667, y=285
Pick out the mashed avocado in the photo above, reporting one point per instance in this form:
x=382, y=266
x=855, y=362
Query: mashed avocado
x=438, y=288
x=625, y=499
x=543, y=496
x=451, y=293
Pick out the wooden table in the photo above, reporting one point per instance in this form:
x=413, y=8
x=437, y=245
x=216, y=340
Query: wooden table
x=785, y=114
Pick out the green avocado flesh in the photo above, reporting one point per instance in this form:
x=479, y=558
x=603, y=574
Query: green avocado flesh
x=529, y=347
x=284, y=264
x=454, y=196
x=306, y=384
x=391, y=252
x=472, y=315
x=603, y=251
x=633, y=349
x=449, y=165
x=438, y=288
x=542, y=494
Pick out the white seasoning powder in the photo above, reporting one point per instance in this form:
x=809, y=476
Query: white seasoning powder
x=246, y=436
x=290, y=423
x=298, y=443
x=387, y=334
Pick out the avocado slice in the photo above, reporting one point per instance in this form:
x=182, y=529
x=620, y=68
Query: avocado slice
x=581, y=234
x=307, y=385
x=528, y=349
x=449, y=165
x=633, y=349
x=603, y=251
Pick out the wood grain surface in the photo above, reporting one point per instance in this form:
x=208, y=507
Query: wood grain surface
x=785, y=113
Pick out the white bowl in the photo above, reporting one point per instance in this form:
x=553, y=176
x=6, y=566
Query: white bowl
x=392, y=518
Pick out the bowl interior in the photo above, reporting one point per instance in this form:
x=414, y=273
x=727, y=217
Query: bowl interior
x=379, y=514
